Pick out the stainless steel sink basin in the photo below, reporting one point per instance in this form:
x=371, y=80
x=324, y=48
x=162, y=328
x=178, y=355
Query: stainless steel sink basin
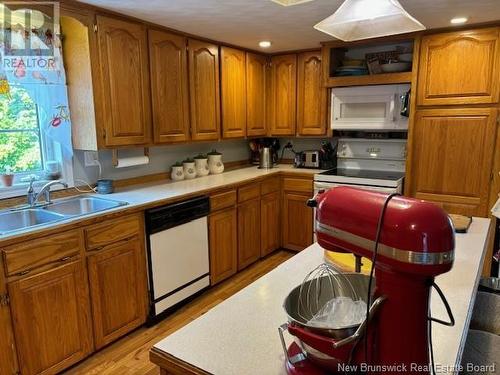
x=82, y=205
x=28, y=218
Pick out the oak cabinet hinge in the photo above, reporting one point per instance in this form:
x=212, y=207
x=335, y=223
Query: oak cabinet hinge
x=4, y=300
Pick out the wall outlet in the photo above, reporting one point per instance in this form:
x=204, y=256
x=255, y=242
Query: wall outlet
x=91, y=158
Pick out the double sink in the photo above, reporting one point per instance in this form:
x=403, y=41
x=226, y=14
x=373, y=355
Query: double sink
x=29, y=217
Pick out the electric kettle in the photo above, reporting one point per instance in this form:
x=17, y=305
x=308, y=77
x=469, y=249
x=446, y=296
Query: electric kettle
x=266, y=158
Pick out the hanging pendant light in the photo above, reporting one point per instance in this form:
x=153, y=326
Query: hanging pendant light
x=290, y=2
x=364, y=19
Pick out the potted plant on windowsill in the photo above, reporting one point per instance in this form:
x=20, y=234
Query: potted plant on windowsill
x=7, y=177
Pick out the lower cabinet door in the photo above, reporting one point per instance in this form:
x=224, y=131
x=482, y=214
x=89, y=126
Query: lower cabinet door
x=223, y=245
x=118, y=290
x=248, y=232
x=51, y=314
x=270, y=223
x=297, y=221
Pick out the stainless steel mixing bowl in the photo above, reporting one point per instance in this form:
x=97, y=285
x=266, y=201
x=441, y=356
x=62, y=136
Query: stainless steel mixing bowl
x=297, y=304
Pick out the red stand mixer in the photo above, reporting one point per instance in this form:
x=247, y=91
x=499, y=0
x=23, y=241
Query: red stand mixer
x=410, y=242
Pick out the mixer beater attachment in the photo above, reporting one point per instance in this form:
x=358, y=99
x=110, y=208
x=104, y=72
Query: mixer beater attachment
x=322, y=284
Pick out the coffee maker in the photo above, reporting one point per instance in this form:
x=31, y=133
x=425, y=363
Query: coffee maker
x=264, y=152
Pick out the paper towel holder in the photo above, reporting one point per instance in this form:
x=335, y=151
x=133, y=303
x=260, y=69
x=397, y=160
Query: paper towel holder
x=114, y=156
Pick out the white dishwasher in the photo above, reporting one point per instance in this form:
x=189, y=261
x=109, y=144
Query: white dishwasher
x=177, y=253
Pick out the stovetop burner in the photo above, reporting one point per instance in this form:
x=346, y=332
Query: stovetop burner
x=364, y=173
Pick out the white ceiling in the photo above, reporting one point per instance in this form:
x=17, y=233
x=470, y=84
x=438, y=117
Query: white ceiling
x=246, y=22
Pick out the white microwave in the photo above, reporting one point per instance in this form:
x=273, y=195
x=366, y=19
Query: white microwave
x=372, y=108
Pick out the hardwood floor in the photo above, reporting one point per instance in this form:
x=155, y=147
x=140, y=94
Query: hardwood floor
x=130, y=354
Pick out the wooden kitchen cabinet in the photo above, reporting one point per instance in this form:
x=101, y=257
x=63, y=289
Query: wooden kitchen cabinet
x=51, y=318
x=125, y=96
x=452, y=153
x=283, y=93
x=249, y=222
x=204, y=94
x=459, y=67
x=169, y=87
x=223, y=237
x=270, y=223
x=297, y=221
x=8, y=358
x=118, y=290
x=233, y=92
x=297, y=217
x=311, y=96
x=256, y=81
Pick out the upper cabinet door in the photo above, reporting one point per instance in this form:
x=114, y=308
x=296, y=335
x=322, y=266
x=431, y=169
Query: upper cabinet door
x=452, y=155
x=256, y=95
x=204, y=90
x=459, y=68
x=234, y=101
x=283, y=94
x=169, y=86
x=125, y=97
x=311, y=96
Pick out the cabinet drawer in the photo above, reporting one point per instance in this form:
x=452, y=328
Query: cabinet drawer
x=23, y=258
x=298, y=185
x=248, y=192
x=222, y=200
x=111, y=231
x=270, y=185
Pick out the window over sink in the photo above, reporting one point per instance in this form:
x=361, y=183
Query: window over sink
x=20, y=136
x=35, y=128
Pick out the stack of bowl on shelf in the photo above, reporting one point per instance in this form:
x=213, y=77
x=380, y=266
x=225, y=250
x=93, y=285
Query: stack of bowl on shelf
x=352, y=67
x=199, y=166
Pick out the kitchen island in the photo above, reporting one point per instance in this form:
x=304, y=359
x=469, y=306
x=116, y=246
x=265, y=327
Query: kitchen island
x=240, y=335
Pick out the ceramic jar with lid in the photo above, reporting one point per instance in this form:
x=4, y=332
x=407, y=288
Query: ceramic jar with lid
x=215, y=164
x=177, y=173
x=189, y=169
x=201, y=165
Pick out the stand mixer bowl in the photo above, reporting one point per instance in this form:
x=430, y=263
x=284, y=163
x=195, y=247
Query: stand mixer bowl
x=300, y=310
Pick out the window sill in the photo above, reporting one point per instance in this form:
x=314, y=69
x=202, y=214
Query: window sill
x=19, y=190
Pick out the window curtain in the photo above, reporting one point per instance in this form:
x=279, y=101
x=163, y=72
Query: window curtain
x=42, y=75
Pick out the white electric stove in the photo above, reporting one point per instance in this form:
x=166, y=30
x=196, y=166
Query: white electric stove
x=375, y=164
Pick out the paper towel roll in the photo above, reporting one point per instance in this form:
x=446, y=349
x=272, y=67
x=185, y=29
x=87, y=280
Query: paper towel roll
x=132, y=161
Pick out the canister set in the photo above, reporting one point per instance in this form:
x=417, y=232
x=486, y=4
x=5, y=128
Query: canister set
x=199, y=166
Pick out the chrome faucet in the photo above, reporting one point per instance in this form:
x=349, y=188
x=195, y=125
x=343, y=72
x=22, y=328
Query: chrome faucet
x=33, y=198
x=30, y=194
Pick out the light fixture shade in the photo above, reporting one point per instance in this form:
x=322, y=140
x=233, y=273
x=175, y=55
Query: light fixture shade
x=290, y=2
x=364, y=19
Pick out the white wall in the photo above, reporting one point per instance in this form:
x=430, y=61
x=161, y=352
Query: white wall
x=162, y=158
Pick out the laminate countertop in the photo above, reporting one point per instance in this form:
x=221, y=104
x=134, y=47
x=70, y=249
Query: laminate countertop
x=140, y=197
x=240, y=335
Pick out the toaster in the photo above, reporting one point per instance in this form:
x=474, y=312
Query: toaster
x=307, y=159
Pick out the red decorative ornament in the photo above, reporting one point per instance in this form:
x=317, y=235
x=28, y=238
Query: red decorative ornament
x=56, y=121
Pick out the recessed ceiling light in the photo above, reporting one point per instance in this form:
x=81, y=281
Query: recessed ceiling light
x=458, y=20
x=265, y=44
